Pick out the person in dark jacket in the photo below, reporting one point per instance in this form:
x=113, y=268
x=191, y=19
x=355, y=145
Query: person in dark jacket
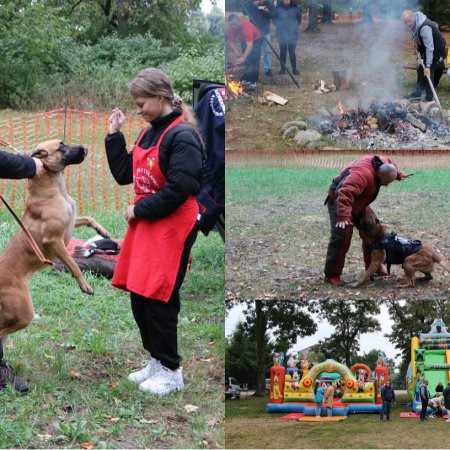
x=165, y=167
x=431, y=46
x=16, y=167
x=439, y=387
x=447, y=400
x=349, y=197
x=288, y=18
x=261, y=12
x=424, y=399
x=388, y=397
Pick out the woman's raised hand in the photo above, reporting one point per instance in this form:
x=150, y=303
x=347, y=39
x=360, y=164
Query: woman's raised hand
x=116, y=121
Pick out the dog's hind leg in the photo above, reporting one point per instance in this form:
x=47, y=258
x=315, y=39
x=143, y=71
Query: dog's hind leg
x=55, y=249
x=16, y=312
x=86, y=221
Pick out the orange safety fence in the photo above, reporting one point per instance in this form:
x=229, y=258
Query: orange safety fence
x=90, y=183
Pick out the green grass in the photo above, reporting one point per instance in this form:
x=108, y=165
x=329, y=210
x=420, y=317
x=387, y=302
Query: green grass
x=249, y=426
x=79, y=349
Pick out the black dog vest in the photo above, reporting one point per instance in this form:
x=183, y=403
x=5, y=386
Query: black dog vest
x=397, y=248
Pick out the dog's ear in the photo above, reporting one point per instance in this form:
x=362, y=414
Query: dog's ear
x=39, y=153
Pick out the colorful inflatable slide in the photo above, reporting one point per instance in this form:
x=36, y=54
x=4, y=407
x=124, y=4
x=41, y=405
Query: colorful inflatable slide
x=357, y=389
x=430, y=360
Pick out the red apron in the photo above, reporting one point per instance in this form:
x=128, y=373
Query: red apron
x=150, y=257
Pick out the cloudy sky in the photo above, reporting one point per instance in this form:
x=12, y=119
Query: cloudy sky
x=206, y=5
x=367, y=341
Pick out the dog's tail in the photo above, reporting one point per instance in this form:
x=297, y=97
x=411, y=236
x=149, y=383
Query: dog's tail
x=441, y=261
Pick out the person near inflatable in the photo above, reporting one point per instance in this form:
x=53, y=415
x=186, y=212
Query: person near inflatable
x=318, y=397
x=165, y=167
x=424, y=398
x=328, y=399
x=447, y=401
x=388, y=397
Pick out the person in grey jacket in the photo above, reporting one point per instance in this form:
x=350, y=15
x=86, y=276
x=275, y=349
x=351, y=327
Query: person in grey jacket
x=430, y=44
x=447, y=400
x=424, y=398
x=288, y=18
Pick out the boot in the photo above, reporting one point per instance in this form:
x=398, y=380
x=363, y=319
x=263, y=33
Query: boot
x=336, y=280
x=8, y=376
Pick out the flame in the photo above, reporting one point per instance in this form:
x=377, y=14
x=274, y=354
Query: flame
x=341, y=109
x=235, y=88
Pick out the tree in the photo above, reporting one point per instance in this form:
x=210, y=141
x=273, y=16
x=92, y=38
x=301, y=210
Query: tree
x=240, y=354
x=411, y=319
x=286, y=321
x=312, y=19
x=350, y=319
x=327, y=13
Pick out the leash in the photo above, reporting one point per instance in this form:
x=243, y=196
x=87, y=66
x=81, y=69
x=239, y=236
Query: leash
x=4, y=143
x=30, y=239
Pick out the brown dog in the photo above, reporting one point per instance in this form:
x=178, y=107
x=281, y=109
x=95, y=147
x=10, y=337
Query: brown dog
x=371, y=231
x=50, y=218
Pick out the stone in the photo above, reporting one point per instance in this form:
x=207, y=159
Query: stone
x=290, y=132
x=305, y=136
x=324, y=112
x=295, y=123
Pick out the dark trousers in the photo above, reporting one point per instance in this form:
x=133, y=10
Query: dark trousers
x=157, y=320
x=339, y=243
x=1, y=350
x=288, y=47
x=386, y=410
x=436, y=71
x=251, y=72
x=423, y=411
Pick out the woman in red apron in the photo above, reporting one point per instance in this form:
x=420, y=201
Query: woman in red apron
x=165, y=168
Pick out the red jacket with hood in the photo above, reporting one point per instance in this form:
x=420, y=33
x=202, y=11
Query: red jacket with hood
x=357, y=186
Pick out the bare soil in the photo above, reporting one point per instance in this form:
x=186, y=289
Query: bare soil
x=353, y=46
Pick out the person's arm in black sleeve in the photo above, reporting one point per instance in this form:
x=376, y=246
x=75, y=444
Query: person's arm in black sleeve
x=182, y=180
x=16, y=166
x=120, y=162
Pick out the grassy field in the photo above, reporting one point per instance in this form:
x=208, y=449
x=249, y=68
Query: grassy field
x=249, y=426
x=76, y=355
x=277, y=240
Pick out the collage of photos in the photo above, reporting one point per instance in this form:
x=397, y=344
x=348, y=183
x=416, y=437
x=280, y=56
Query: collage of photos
x=338, y=210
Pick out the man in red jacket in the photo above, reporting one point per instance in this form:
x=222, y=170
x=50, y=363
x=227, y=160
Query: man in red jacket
x=349, y=197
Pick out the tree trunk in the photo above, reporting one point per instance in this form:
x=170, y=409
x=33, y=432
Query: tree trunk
x=312, y=20
x=261, y=325
x=123, y=14
x=327, y=17
x=342, y=79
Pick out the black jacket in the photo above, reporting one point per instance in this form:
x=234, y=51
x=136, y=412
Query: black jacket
x=287, y=20
x=180, y=160
x=447, y=399
x=16, y=166
x=259, y=18
x=388, y=394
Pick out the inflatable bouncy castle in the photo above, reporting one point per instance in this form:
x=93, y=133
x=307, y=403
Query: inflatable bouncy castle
x=430, y=360
x=357, y=389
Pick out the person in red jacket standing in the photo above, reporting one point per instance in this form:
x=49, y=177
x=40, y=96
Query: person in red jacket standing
x=349, y=197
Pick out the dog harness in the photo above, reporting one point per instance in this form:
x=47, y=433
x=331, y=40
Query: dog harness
x=397, y=248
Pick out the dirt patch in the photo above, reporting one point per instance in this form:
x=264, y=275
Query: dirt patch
x=251, y=125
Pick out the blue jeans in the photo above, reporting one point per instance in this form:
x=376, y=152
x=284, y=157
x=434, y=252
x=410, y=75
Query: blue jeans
x=386, y=410
x=318, y=408
x=266, y=49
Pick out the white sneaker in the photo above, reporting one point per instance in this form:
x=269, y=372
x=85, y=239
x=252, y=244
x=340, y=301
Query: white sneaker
x=150, y=368
x=164, y=382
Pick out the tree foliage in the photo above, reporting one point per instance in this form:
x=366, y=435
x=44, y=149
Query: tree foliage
x=77, y=49
x=287, y=321
x=350, y=319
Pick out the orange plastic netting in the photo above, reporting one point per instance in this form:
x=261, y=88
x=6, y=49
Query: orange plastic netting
x=90, y=183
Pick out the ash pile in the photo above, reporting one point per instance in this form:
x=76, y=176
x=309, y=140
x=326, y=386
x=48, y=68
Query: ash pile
x=387, y=125
x=374, y=125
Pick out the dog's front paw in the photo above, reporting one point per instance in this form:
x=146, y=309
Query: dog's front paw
x=87, y=289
